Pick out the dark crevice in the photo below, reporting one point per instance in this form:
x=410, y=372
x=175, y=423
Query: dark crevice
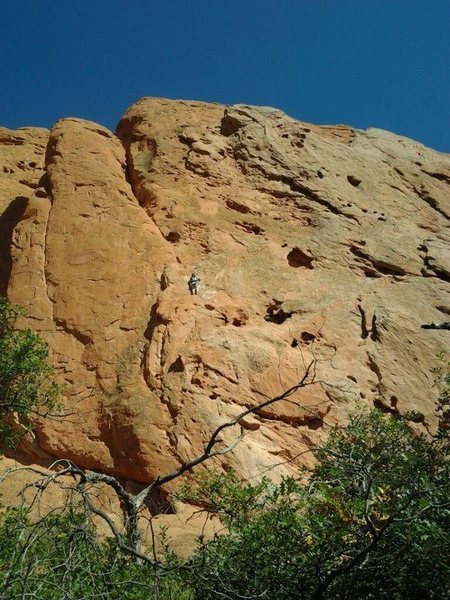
x=173, y=237
x=381, y=405
x=374, y=331
x=78, y=335
x=387, y=268
x=30, y=184
x=311, y=421
x=295, y=186
x=376, y=369
x=354, y=181
x=307, y=337
x=275, y=314
x=153, y=322
x=380, y=266
x=441, y=274
x=297, y=258
x=241, y=208
x=430, y=269
x=229, y=125
x=432, y=202
x=8, y=221
x=44, y=182
x=251, y=227
x=278, y=317
x=177, y=366
x=439, y=176
x=445, y=325
x=364, y=330
x=370, y=272
x=416, y=417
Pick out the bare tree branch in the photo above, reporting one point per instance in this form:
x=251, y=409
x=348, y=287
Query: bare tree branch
x=132, y=503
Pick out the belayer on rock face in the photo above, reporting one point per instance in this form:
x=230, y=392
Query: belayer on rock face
x=193, y=284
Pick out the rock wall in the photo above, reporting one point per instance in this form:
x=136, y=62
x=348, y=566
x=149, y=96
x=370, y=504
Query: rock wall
x=310, y=242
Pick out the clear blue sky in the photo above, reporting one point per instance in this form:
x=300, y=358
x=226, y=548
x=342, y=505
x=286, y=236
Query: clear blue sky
x=366, y=63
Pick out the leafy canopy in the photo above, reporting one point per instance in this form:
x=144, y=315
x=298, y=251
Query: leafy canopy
x=370, y=521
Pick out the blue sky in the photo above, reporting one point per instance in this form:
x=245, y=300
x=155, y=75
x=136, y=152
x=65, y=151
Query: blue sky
x=366, y=63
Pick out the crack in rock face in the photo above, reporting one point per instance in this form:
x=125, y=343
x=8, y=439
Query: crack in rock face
x=299, y=254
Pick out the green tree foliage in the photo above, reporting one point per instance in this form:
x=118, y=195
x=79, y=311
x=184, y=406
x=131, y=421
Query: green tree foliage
x=25, y=376
x=370, y=521
x=60, y=556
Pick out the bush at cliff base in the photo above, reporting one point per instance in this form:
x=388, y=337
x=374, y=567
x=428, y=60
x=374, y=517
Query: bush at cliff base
x=60, y=557
x=370, y=521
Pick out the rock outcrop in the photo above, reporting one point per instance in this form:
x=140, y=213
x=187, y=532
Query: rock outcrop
x=311, y=242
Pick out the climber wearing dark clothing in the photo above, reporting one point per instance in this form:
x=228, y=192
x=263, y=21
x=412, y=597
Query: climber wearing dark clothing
x=193, y=284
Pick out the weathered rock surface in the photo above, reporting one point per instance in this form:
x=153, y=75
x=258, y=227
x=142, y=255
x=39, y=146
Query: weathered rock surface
x=310, y=242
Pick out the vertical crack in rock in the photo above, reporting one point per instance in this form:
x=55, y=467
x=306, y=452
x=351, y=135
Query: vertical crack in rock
x=45, y=183
x=140, y=153
x=9, y=219
x=374, y=336
x=28, y=269
x=364, y=330
x=373, y=366
x=152, y=367
x=134, y=177
x=152, y=352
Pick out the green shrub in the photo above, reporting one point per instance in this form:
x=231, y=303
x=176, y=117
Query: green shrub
x=60, y=556
x=25, y=377
x=370, y=521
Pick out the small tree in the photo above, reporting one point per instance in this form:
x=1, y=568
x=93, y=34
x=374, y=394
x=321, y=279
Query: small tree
x=25, y=375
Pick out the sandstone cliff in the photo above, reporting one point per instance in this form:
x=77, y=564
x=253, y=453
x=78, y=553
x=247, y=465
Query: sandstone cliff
x=310, y=241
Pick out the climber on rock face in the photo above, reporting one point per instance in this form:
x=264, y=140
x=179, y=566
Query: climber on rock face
x=193, y=284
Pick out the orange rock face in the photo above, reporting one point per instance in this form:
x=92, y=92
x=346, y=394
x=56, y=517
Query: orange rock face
x=310, y=242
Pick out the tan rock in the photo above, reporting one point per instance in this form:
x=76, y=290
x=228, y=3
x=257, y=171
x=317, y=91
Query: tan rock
x=22, y=155
x=310, y=242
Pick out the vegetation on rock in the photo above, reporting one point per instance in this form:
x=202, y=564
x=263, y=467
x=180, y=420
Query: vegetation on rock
x=25, y=375
x=370, y=520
